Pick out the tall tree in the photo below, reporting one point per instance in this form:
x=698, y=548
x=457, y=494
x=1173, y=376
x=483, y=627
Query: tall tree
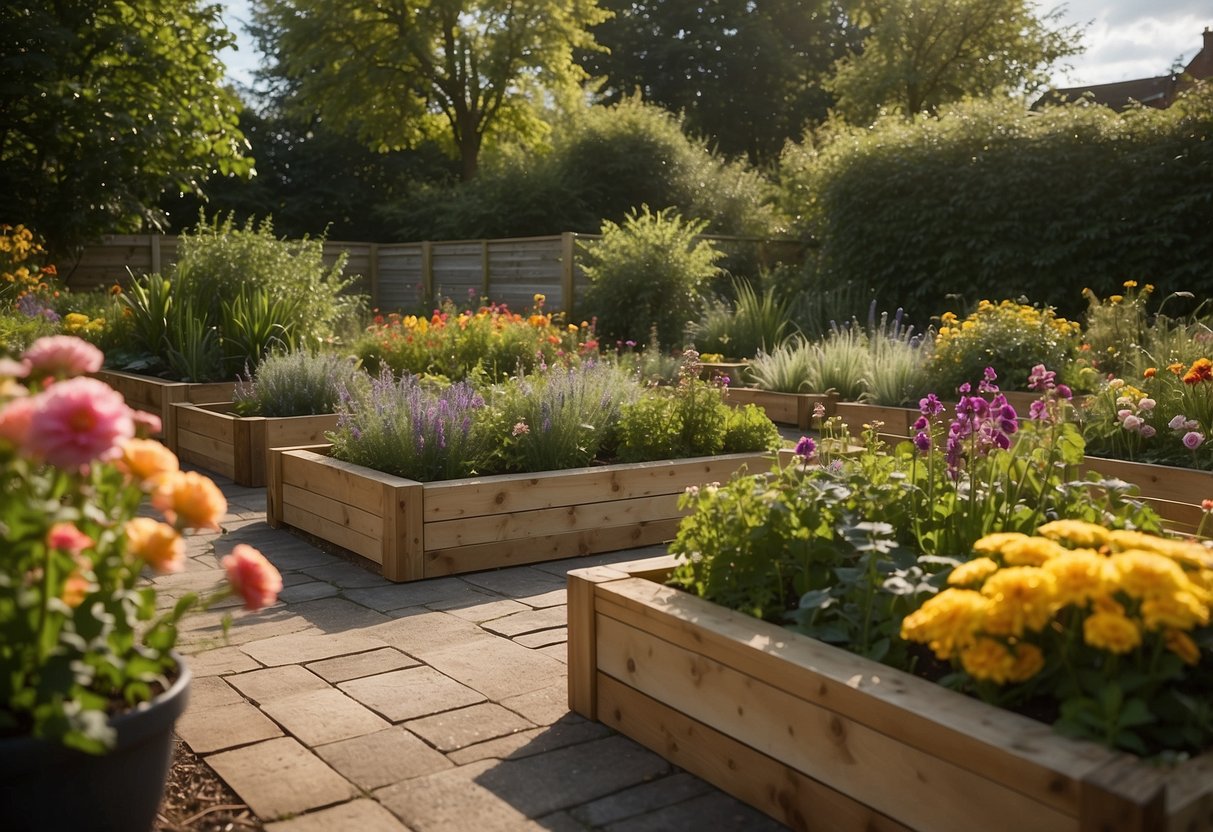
x=920, y=54
x=104, y=106
x=746, y=74
x=398, y=71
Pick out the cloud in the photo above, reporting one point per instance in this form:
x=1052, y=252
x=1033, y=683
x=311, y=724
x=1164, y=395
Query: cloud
x=1127, y=39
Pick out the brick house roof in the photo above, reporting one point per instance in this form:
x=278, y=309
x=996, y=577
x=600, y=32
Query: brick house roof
x=1158, y=91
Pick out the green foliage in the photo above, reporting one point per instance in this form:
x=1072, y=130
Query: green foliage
x=105, y=107
x=918, y=55
x=747, y=75
x=299, y=384
x=841, y=363
x=753, y=323
x=603, y=163
x=989, y=198
x=690, y=419
x=748, y=429
x=647, y=273
x=18, y=330
x=900, y=371
x=562, y=418
x=790, y=368
x=463, y=70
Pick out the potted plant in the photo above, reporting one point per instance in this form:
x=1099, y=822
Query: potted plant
x=289, y=400
x=843, y=553
x=89, y=683
x=428, y=481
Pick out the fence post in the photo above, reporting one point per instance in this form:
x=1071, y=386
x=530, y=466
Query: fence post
x=486, y=272
x=567, y=252
x=154, y=239
x=374, y=275
x=427, y=272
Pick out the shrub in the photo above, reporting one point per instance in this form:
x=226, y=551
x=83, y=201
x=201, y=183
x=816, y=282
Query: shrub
x=647, y=274
x=561, y=418
x=990, y=196
x=299, y=384
x=411, y=429
x=1014, y=337
x=748, y=429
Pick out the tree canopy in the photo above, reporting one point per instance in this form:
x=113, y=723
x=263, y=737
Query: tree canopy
x=746, y=74
x=104, y=106
x=920, y=54
x=399, y=71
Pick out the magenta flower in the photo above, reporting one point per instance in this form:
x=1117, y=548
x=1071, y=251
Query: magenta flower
x=62, y=356
x=1041, y=378
x=806, y=447
x=78, y=421
x=1193, y=440
x=67, y=538
x=930, y=405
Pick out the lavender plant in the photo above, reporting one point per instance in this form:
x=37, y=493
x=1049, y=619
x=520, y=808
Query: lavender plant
x=410, y=429
x=298, y=384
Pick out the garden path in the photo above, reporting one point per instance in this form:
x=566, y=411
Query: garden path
x=436, y=706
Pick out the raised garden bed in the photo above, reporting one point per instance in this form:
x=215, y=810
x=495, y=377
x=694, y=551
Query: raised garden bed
x=214, y=437
x=157, y=395
x=819, y=738
x=782, y=408
x=420, y=530
x=1175, y=493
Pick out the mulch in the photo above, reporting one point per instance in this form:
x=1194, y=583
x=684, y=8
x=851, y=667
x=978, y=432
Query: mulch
x=197, y=800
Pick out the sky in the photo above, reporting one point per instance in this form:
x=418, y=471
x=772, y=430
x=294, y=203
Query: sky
x=1124, y=39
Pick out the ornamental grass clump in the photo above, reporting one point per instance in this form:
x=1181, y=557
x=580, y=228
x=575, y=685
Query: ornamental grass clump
x=299, y=383
x=789, y=368
x=82, y=637
x=562, y=418
x=1109, y=627
x=410, y=428
x=1012, y=336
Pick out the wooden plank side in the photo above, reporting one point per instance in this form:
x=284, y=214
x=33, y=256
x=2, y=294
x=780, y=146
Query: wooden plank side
x=365, y=523
x=1124, y=796
x=207, y=453
x=476, y=497
x=540, y=522
x=780, y=791
x=282, y=432
x=1027, y=754
x=343, y=536
x=1164, y=482
x=204, y=421
x=403, y=532
x=779, y=407
x=214, y=391
x=874, y=768
x=460, y=559
x=343, y=480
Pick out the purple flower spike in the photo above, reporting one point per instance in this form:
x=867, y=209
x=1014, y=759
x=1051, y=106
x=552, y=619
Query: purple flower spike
x=1064, y=392
x=930, y=405
x=922, y=441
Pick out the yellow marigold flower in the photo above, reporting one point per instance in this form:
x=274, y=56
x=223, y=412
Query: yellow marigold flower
x=975, y=571
x=1022, y=598
x=1029, y=660
x=1176, y=368
x=1180, y=610
x=1079, y=576
x=1147, y=574
x=147, y=461
x=992, y=544
x=1078, y=532
x=1111, y=632
x=189, y=500
x=1182, y=645
x=948, y=317
x=1130, y=284
x=988, y=660
x=1116, y=298
x=158, y=544
x=1032, y=551
x=947, y=622
x=1106, y=603
x=539, y=298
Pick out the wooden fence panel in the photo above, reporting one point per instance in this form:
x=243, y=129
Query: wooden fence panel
x=400, y=279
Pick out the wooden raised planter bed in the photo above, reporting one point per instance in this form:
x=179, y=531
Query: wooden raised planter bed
x=782, y=408
x=420, y=530
x=1175, y=493
x=214, y=437
x=821, y=739
x=157, y=395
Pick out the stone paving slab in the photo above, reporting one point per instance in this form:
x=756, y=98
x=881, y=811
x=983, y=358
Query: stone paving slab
x=437, y=705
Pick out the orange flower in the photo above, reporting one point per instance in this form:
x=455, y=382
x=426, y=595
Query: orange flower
x=1150, y=372
x=1201, y=370
x=75, y=587
x=147, y=461
x=156, y=543
x=1176, y=368
x=189, y=500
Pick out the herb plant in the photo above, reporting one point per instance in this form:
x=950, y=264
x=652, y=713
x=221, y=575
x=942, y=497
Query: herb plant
x=299, y=384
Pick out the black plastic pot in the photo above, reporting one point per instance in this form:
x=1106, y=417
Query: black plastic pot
x=47, y=787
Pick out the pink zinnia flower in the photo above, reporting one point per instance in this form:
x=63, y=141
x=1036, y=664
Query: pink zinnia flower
x=67, y=538
x=62, y=356
x=1193, y=440
x=78, y=421
x=13, y=369
x=252, y=577
x=15, y=420
x=146, y=424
